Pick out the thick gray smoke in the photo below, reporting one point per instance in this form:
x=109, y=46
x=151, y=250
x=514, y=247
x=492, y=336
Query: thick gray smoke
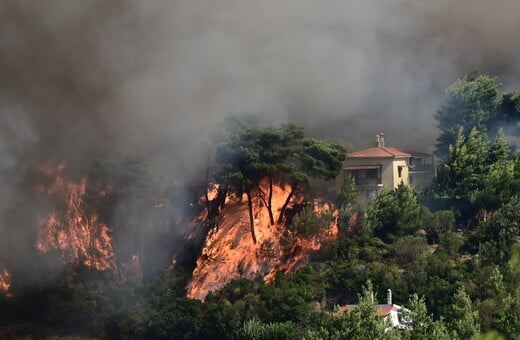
x=80, y=79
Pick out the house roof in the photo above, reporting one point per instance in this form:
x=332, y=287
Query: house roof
x=384, y=152
x=383, y=310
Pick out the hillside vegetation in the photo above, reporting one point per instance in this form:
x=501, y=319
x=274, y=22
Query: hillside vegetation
x=450, y=254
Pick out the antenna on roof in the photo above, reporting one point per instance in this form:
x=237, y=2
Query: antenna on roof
x=382, y=139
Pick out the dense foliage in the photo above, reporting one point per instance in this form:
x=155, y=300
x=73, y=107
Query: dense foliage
x=474, y=102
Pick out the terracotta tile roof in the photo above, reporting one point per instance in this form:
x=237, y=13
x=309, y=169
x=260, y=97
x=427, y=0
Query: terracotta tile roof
x=384, y=152
x=384, y=309
x=380, y=309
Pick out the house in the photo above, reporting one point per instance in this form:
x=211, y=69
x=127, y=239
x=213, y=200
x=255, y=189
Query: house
x=383, y=167
x=396, y=316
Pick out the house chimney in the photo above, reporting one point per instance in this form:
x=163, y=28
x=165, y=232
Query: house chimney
x=378, y=141
x=381, y=140
x=389, y=296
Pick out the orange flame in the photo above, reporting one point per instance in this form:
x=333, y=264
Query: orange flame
x=5, y=281
x=77, y=235
x=229, y=252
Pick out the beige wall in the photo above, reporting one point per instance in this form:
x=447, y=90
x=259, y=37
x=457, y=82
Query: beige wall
x=387, y=169
x=389, y=174
x=396, y=180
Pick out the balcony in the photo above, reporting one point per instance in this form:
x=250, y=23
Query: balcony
x=421, y=168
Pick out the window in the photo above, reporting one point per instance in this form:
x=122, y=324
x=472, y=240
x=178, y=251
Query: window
x=400, y=171
x=372, y=173
x=365, y=174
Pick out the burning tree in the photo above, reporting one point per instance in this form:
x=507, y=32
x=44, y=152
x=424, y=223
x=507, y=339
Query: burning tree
x=5, y=281
x=101, y=218
x=252, y=154
x=77, y=233
x=312, y=158
x=131, y=207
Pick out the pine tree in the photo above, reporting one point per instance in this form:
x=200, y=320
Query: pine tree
x=465, y=320
x=424, y=326
x=461, y=173
x=394, y=213
x=251, y=155
x=348, y=194
x=471, y=102
x=366, y=323
x=499, y=150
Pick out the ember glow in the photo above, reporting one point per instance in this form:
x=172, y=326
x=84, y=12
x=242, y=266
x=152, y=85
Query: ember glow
x=230, y=253
x=74, y=232
x=5, y=281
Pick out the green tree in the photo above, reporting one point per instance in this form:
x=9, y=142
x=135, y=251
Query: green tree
x=423, y=324
x=508, y=116
x=461, y=173
x=493, y=293
x=365, y=323
x=273, y=149
x=498, y=184
x=313, y=158
x=499, y=150
x=408, y=248
x=173, y=317
x=240, y=167
x=254, y=329
x=502, y=232
x=471, y=102
x=464, y=319
x=348, y=194
x=438, y=224
x=394, y=213
x=508, y=321
x=253, y=154
x=516, y=162
x=305, y=223
x=478, y=175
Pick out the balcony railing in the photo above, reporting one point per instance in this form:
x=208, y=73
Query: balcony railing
x=421, y=168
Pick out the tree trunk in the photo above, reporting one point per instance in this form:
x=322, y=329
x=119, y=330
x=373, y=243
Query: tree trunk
x=221, y=197
x=251, y=218
x=286, y=203
x=240, y=192
x=206, y=184
x=269, y=201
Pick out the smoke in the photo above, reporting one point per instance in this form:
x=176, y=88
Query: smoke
x=83, y=79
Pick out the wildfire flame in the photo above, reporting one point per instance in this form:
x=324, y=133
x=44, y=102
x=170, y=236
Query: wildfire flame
x=77, y=235
x=230, y=253
x=5, y=281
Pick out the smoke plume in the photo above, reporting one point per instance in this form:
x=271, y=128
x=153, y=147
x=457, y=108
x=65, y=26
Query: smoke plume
x=83, y=79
